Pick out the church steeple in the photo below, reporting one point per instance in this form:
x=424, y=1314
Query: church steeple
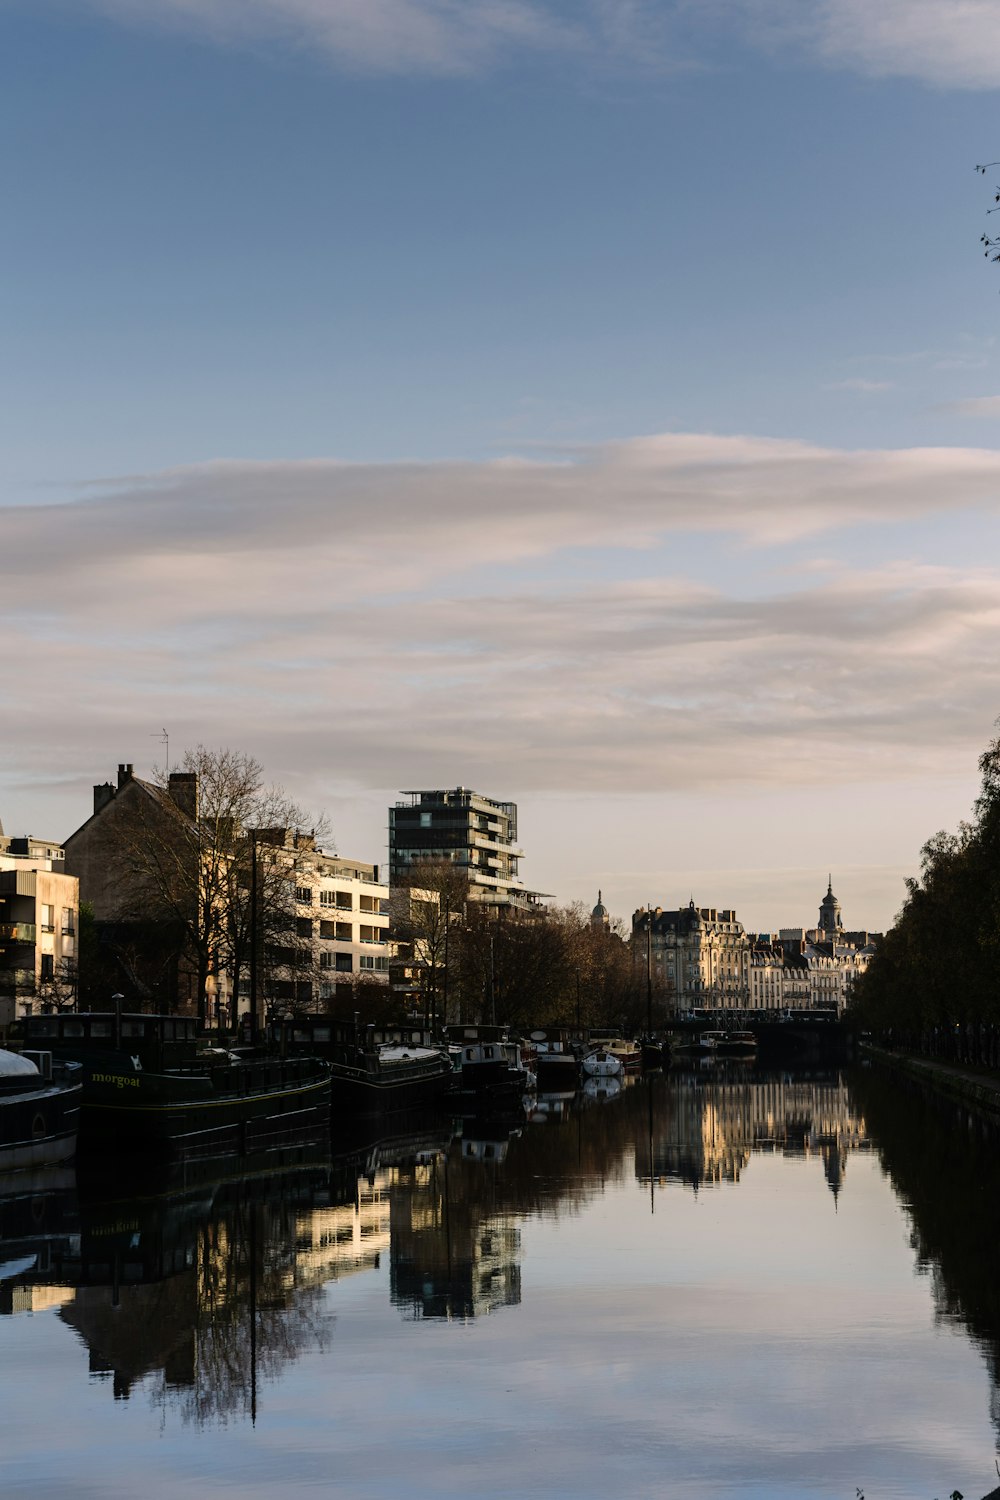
x=830, y=920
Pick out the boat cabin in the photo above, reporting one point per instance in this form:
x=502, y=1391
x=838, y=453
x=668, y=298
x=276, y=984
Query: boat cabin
x=158, y=1041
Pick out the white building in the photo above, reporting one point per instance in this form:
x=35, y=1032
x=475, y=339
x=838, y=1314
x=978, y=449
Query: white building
x=343, y=907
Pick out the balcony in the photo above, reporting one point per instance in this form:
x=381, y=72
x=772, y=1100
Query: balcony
x=18, y=932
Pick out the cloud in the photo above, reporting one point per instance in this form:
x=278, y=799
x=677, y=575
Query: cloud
x=426, y=623
x=949, y=43
x=946, y=43
x=974, y=406
x=392, y=36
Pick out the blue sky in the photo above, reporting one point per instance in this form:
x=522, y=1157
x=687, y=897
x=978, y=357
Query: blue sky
x=424, y=276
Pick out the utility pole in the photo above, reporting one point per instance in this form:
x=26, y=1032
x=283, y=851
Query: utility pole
x=254, y=934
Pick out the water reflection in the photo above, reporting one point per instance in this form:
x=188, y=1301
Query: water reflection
x=719, y=1120
x=944, y=1162
x=204, y=1292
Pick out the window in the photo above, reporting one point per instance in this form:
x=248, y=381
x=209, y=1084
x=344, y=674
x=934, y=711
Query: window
x=303, y=926
x=68, y=921
x=328, y=929
x=343, y=964
x=326, y=959
x=304, y=894
x=48, y=963
x=327, y=898
x=370, y=961
x=48, y=922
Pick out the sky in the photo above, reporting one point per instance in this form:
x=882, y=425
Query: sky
x=594, y=404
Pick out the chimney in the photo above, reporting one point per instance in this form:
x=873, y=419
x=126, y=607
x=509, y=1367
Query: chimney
x=183, y=789
x=124, y=774
x=103, y=794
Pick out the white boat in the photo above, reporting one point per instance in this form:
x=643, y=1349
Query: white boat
x=711, y=1041
x=602, y=1064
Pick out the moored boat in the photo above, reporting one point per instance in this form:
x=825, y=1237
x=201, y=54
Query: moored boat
x=556, y=1065
x=601, y=1064
x=489, y=1073
x=148, y=1087
x=371, y=1072
x=628, y=1052
x=39, y=1110
x=711, y=1041
x=738, y=1042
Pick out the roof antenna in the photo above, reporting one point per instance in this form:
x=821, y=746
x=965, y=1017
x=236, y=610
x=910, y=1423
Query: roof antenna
x=164, y=738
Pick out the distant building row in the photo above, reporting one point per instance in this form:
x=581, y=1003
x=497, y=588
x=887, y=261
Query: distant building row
x=703, y=957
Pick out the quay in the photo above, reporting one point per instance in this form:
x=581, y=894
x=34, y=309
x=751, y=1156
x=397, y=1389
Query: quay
x=964, y=1084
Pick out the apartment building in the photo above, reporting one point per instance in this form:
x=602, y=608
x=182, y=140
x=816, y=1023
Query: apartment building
x=460, y=827
x=342, y=912
x=698, y=954
x=39, y=930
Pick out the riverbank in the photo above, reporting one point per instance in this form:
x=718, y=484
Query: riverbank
x=981, y=1089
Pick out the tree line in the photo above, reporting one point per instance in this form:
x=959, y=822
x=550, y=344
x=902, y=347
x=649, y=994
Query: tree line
x=933, y=983
x=468, y=961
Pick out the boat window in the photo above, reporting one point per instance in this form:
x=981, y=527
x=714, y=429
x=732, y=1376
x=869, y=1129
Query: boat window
x=132, y=1028
x=469, y=1054
x=489, y=1051
x=44, y=1026
x=168, y=1030
x=321, y=1034
x=100, y=1028
x=300, y=1034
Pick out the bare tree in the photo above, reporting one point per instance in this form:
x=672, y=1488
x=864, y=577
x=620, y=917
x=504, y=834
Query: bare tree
x=190, y=850
x=429, y=917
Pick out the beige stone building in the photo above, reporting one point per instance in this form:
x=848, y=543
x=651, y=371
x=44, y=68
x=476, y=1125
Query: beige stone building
x=699, y=955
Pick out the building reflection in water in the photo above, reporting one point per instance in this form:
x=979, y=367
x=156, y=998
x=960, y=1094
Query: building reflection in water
x=454, y=1252
x=719, y=1120
x=205, y=1291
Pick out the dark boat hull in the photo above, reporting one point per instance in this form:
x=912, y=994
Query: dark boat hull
x=38, y=1126
x=558, y=1072
x=367, y=1092
x=247, y=1107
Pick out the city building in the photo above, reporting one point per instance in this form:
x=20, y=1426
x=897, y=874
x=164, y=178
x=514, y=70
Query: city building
x=704, y=958
x=112, y=855
x=699, y=956
x=473, y=833
x=39, y=928
x=323, y=920
x=341, y=927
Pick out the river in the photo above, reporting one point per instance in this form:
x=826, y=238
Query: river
x=718, y=1283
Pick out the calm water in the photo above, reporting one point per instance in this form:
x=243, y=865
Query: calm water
x=711, y=1285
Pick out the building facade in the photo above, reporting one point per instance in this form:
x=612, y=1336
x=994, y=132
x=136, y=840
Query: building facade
x=475, y=834
x=703, y=958
x=39, y=933
x=699, y=956
x=342, y=910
